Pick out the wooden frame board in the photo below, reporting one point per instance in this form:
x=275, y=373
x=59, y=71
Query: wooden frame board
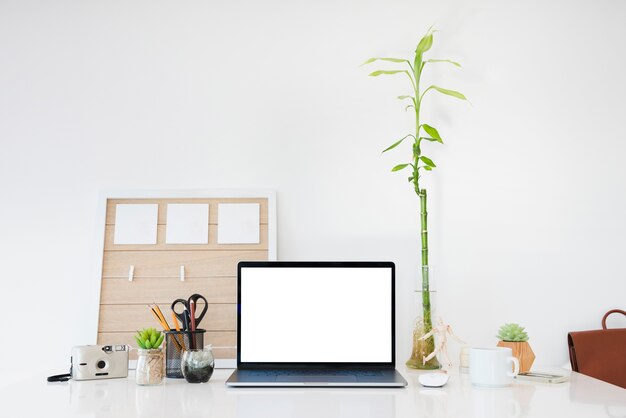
x=209, y=269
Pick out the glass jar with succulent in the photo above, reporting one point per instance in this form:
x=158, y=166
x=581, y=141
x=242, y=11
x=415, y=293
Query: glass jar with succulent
x=515, y=337
x=150, y=359
x=418, y=164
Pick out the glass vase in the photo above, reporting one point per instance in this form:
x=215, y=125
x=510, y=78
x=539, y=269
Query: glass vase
x=422, y=348
x=150, y=367
x=198, y=364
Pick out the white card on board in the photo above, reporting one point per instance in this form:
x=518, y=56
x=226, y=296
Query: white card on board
x=238, y=223
x=136, y=223
x=187, y=223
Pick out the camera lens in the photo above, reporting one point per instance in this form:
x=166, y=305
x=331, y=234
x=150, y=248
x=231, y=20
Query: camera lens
x=101, y=364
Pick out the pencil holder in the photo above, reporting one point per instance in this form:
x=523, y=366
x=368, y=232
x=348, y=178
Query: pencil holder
x=176, y=342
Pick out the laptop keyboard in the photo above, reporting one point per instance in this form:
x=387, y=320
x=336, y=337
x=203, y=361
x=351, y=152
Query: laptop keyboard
x=315, y=372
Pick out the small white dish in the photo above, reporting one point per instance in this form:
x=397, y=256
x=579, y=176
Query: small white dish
x=433, y=380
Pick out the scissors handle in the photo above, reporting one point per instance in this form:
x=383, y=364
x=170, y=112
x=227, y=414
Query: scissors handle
x=180, y=315
x=195, y=297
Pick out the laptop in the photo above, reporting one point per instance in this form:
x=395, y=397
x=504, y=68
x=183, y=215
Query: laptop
x=318, y=324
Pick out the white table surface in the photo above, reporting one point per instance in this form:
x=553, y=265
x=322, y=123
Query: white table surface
x=581, y=397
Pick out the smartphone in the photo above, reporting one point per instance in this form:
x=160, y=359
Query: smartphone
x=542, y=377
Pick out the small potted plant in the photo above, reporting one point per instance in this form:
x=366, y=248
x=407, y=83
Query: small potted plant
x=514, y=337
x=150, y=361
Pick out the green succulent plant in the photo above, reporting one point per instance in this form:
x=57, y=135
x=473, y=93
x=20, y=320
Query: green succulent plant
x=512, y=332
x=149, y=338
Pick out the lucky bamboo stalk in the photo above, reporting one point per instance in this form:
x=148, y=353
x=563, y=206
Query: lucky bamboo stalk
x=419, y=163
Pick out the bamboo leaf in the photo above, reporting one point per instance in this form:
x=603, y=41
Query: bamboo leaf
x=430, y=139
x=393, y=59
x=427, y=161
x=380, y=72
x=395, y=144
x=417, y=66
x=371, y=60
x=410, y=179
x=425, y=43
x=433, y=133
x=408, y=97
x=399, y=167
x=451, y=62
x=449, y=92
x=427, y=168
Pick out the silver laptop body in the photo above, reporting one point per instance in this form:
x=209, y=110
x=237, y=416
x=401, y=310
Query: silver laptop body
x=317, y=324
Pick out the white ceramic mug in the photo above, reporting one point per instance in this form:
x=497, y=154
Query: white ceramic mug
x=491, y=366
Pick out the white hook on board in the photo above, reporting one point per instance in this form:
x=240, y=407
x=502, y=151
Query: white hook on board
x=182, y=273
x=131, y=273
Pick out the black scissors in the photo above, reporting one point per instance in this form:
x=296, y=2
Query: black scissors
x=185, y=315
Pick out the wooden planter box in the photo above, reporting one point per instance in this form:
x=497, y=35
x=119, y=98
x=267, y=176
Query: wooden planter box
x=522, y=351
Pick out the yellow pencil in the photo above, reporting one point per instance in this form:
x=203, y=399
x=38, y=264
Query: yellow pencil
x=165, y=327
x=158, y=310
x=178, y=329
x=164, y=323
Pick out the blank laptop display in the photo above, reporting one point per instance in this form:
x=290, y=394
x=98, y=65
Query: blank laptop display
x=316, y=324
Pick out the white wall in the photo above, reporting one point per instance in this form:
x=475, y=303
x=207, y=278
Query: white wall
x=527, y=205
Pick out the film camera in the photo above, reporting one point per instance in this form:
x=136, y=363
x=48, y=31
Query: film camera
x=99, y=362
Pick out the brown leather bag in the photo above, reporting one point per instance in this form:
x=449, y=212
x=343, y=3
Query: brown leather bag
x=600, y=353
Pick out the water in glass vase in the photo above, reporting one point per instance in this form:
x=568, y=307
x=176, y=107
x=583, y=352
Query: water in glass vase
x=423, y=325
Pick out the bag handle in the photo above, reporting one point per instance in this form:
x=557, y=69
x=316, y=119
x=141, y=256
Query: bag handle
x=609, y=313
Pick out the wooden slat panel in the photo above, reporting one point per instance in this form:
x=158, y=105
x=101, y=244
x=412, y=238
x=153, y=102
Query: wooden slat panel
x=209, y=269
x=161, y=245
x=213, y=202
x=130, y=318
x=153, y=290
x=167, y=263
x=215, y=338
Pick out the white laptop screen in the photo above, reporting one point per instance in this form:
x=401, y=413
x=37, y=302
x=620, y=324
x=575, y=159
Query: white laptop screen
x=316, y=314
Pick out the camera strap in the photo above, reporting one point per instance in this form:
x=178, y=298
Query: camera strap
x=61, y=377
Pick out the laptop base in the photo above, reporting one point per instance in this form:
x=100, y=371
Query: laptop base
x=316, y=378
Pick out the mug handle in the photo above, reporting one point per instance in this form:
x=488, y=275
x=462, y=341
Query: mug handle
x=515, y=366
